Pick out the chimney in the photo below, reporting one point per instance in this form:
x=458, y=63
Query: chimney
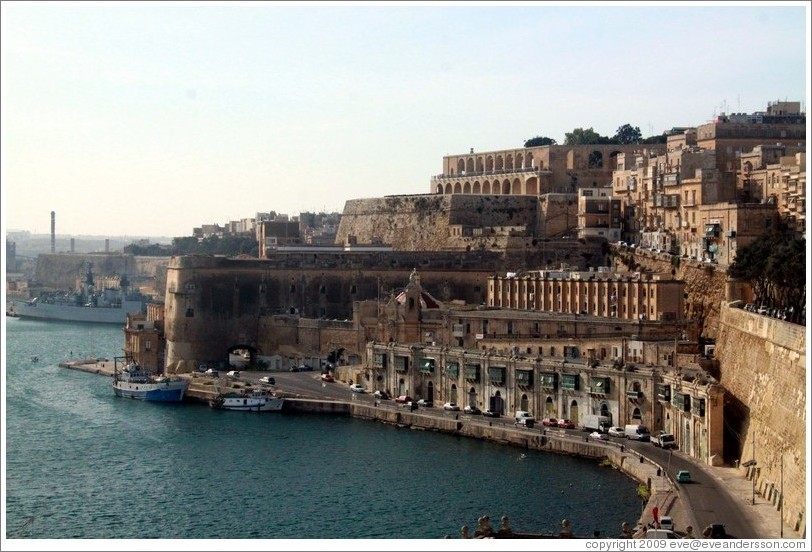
x=53, y=231
x=107, y=245
x=72, y=245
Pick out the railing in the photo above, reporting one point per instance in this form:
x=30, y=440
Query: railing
x=485, y=173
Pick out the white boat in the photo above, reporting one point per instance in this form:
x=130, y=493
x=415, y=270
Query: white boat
x=251, y=401
x=134, y=383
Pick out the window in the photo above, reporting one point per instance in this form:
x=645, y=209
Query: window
x=148, y=345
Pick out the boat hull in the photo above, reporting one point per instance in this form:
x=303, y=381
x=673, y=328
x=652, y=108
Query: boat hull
x=75, y=313
x=168, y=391
x=249, y=404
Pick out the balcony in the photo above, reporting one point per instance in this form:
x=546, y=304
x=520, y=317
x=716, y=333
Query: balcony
x=524, y=378
x=472, y=372
x=486, y=173
x=548, y=381
x=570, y=382
x=427, y=365
x=698, y=407
x=496, y=376
x=452, y=369
x=634, y=395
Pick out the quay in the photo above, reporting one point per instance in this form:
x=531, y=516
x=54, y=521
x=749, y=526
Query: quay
x=663, y=493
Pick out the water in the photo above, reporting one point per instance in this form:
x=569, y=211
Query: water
x=82, y=463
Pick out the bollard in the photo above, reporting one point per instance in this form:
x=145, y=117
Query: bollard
x=642, y=459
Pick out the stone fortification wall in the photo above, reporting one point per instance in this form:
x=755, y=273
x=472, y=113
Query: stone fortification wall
x=763, y=368
x=421, y=222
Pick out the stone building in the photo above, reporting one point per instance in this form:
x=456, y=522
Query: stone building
x=776, y=175
x=599, y=214
x=629, y=296
x=144, y=341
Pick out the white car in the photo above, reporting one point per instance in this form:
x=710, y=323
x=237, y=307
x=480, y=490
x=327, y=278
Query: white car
x=667, y=523
x=233, y=373
x=267, y=379
x=599, y=436
x=617, y=432
x=450, y=406
x=357, y=388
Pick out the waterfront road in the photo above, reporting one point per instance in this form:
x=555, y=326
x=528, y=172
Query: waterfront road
x=706, y=499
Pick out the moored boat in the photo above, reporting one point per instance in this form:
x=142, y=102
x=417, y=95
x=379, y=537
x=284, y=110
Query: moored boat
x=134, y=383
x=251, y=401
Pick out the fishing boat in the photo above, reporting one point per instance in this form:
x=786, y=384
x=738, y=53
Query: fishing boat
x=251, y=401
x=135, y=383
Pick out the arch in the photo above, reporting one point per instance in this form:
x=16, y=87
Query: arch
x=452, y=396
x=479, y=168
x=497, y=403
x=636, y=414
x=605, y=409
x=489, y=163
x=472, y=396
x=524, y=403
x=460, y=166
x=470, y=165
x=439, y=189
x=549, y=408
x=466, y=188
x=519, y=161
x=509, y=162
x=595, y=160
x=613, y=159
x=529, y=162
x=486, y=187
x=448, y=188
x=430, y=392
x=516, y=186
x=506, y=187
x=500, y=163
x=401, y=387
x=496, y=188
x=531, y=186
x=457, y=188
x=574, y=416
x=476, y=189
x=636, y=386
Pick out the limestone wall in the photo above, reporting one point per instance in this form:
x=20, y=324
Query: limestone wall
x=763, y=367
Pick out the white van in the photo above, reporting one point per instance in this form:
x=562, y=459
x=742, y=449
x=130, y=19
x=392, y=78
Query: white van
x=637, y=432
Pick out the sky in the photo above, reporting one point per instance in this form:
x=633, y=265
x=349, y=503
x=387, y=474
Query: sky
x=152, y=119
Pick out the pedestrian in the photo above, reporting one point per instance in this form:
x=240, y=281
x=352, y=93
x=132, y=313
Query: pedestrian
x=689, y=533
x=464, y=532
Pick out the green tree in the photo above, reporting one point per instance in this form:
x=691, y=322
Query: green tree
x=627, y=134
x=583, y=136
x=656, y=139
x=539, y=141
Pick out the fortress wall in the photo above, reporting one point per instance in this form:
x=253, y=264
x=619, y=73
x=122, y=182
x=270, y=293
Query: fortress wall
x=763, y=368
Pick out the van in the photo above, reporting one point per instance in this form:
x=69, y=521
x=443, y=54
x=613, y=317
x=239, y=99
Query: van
x=524, y=418
x=637, y=432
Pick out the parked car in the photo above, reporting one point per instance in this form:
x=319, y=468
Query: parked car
x=523, y=417
x=491, y=414
x=294, y=369
x=566, y=424
x=599, y=436
x=327, y=377
x=667, y=522
x=305, y=368
x=664, y=440
x=403, y=399
x=267, y=379
x=213, y=373
x=550, y=422
x=616, y=432
x=381, y=395
x=471, y=410
x=357, y=388
x=233, y=374
x=715, y=531
x=450, y=406
x=683, y=476
x=424, y=403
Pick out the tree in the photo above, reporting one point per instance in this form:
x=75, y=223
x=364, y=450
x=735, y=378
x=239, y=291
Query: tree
x=581, y=136
x=539, y=141
x=627, y=134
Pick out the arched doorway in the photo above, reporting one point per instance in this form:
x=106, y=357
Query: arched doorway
x=497, y=403
x=549, y=408
x=401, y=387
x=430, y=394
x=524, y=403
x=574, y=412
x=472, y=397
x=605, y=411
x=453, y=395
x=636, y=414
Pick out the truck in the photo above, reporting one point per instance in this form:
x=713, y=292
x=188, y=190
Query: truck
x=664, y=440
x=594, y=422
x=524, y=418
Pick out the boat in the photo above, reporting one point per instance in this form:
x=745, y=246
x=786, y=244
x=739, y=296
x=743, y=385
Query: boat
x=251, y=401
x=108, y=306
x=135, y=383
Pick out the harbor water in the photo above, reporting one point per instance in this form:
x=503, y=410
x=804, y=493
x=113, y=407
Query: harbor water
x=82, y=463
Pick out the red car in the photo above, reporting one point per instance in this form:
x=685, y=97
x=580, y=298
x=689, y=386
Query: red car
x=403, y=399
x=566, y=424
x=327, y=377
x=550, y=422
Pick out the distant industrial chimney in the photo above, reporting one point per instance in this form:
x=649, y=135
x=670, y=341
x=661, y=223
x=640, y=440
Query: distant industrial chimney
x=107, y=245
x=72, y=245
x=53, y=231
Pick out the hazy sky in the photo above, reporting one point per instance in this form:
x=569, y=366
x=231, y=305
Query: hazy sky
x=154, y=118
